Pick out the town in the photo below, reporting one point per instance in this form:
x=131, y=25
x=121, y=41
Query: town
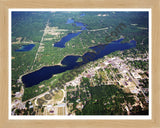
x=109, y=71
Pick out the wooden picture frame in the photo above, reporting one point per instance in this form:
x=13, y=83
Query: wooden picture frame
x=4, y=60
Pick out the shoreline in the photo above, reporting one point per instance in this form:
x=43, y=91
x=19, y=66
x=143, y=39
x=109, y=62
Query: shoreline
x=59, y=64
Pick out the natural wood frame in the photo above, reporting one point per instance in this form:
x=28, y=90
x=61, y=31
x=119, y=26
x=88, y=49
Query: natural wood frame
x=4, y=32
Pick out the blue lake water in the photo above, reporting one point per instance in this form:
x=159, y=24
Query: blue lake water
x=70, y=21
x=25, y=48
x=65, y=39
x=82, y=14
x=79, y=24
x=69, y=62
x=61, y=43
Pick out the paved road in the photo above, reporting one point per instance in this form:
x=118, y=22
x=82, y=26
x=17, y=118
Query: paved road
x=137, y=84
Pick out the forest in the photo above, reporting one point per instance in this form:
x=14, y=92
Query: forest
x=30, y=26
x=100, y=99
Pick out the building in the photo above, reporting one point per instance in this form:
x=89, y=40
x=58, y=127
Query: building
x=136, y=75
x=18, y=94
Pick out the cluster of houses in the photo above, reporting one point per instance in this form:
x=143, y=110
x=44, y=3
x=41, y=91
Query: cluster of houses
x=129, y=80
x=18, y=105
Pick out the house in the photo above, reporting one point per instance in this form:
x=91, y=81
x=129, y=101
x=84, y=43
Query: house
x=136, y=75
x=88, y=76
x=18, y=94
x=136, y=91
x=80, y=106
x=31, y=106
x=106, y=63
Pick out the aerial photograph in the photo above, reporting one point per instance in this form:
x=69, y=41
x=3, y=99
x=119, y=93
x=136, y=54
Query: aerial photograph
x=73, y=63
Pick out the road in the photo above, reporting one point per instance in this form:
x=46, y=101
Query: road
x=39, y=45
x=135, y=81
x=37, y=96
x=62, y=30
x=98, y=29
x=137, y=84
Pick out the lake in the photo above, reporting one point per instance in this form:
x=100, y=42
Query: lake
x=70, y=21
x=65, y=39
x=70, y=62
x=61, y=43
x=25, y=48
x=82, y=15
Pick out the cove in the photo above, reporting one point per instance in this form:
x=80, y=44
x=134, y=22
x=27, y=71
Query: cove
x=70, y=62
x=25, y=48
